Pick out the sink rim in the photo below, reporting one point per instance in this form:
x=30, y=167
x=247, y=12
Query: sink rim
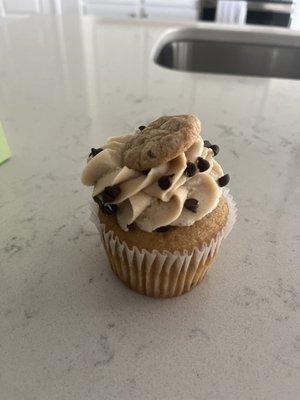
x=245, y=34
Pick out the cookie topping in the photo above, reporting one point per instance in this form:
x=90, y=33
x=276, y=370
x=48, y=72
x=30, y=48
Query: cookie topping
x=151, y=154
x=191, y=205
x=224, y=180
x=215, y=148
x=202, y=164
x=110, y=193
x=94, y=151
x=162, y=140
x=190, y=169
x=142, y=127
x=207, y=144
x=162, y=229
x=165, y=182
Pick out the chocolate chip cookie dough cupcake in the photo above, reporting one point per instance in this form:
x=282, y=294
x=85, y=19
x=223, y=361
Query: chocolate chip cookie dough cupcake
x=161, y=205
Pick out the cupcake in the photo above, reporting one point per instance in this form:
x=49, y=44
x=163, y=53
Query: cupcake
x=161, y=205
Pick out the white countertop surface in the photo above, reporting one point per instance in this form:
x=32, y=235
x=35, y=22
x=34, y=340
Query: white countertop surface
x=68, y=328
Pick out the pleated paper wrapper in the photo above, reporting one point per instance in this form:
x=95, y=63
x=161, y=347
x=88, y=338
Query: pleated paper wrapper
x=156, y=274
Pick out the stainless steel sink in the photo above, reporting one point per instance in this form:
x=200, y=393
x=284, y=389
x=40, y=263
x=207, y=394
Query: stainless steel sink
x=268, y=52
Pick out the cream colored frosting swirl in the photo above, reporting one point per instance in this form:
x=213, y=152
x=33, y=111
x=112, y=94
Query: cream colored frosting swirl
x=141, y=200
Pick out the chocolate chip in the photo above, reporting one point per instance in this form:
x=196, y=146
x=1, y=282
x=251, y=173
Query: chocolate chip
x=191, y=205
x=165, y=228
x=151, y=154
x=130, y=226
x=109, y=208
x=97, y=200
x=190, y=169
x=110, y=193
x=94, y=151
x=207, y=143
x=164, y=182
x=146, y=171
x=202, y=164
x=224, y=180
x=106, y=208
x=215, y=148
x=142, y=127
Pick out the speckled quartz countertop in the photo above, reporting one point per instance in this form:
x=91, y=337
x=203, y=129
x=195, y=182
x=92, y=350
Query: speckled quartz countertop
x=69, y=329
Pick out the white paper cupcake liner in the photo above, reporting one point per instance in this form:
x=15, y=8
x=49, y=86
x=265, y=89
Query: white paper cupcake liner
x=163, y=274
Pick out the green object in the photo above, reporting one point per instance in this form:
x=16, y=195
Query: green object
x=4, y=149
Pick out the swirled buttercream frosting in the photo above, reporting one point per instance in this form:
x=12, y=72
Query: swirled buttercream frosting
x=174, y=192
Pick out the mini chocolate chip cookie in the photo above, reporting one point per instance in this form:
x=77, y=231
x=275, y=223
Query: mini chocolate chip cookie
x=161, y=141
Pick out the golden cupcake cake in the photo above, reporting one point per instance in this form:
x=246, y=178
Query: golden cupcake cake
x=162, y=205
